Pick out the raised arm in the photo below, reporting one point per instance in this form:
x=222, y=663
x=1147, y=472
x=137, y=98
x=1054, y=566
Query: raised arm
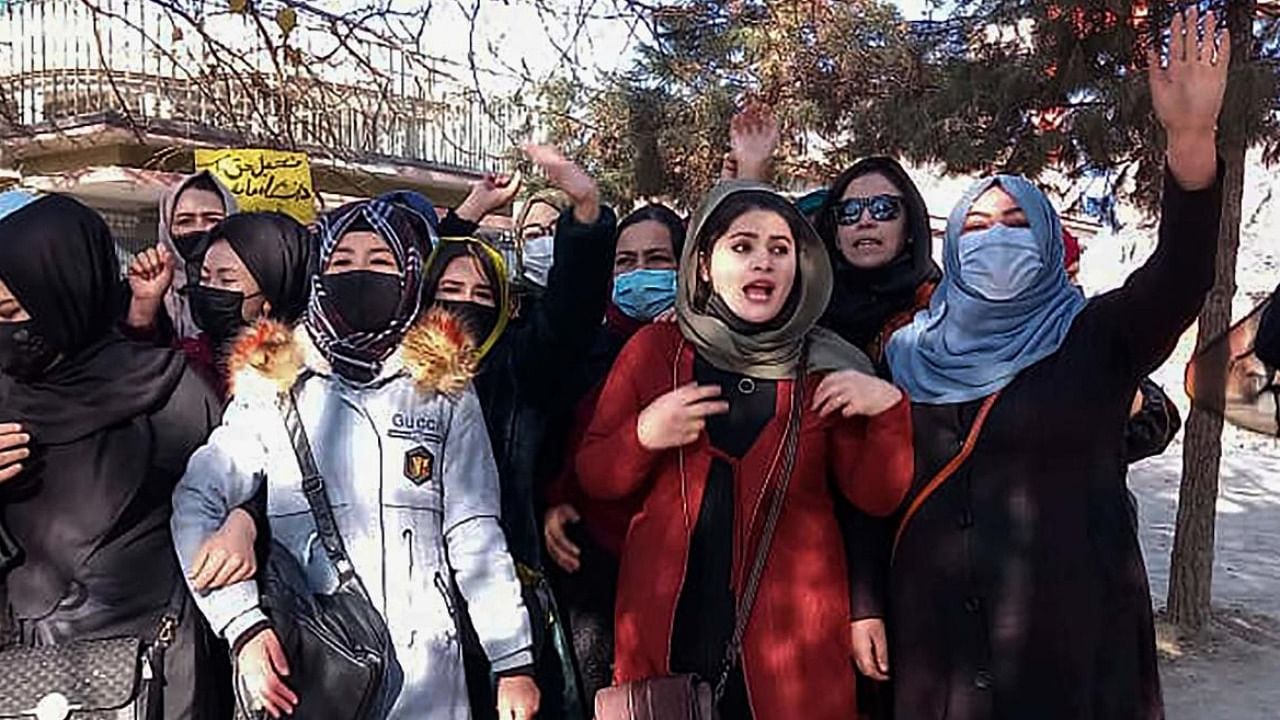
x=1161, y=299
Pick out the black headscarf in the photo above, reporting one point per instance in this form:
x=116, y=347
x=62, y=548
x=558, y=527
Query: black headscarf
x=276, y=249
x=863, y=300
x=89, y=505
x=59, y=260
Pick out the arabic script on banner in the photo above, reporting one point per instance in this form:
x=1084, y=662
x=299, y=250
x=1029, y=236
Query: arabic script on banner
x=264, y=180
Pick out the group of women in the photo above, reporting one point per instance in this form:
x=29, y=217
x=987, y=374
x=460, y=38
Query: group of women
x=784, y=453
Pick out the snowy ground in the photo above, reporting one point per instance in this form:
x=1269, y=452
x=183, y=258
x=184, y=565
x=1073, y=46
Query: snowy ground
x=1234, y=673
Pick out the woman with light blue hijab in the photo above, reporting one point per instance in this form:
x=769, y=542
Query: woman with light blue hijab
x=1017, y=587
x=1004, y=302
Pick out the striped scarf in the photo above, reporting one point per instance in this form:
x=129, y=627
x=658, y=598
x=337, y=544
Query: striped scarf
x=359, y=355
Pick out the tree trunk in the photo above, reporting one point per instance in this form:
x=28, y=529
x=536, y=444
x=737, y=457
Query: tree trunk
x=1191, y=567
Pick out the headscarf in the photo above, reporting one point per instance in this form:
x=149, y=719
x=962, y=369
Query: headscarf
x=359, y=355
x=965, y=347
x=276, y=249
x=58, y=259
x=771, y=353
x=863, y=300
x=12, y=200
x=175, y=303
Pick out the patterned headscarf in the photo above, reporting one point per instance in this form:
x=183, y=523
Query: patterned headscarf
x=410, y=235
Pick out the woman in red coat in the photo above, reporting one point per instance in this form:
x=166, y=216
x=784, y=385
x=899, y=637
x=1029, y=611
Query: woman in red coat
x=691, y=425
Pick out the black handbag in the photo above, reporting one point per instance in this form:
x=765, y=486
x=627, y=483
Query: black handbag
x=102, y=679
x=337, y=644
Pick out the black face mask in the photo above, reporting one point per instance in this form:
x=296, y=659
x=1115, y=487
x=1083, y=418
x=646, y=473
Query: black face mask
x=24, y=353
x=220, y=313
x=191, y=246
x=366, y=300
x=480, y=320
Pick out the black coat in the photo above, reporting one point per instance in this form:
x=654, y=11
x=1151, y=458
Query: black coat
x=1267, y=343
x=1019, y=590
x=526, y=380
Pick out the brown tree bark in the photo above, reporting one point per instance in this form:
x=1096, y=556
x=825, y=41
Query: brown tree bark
x=1191, y=566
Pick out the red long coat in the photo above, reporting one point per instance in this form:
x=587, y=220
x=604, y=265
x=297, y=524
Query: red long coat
x=797, y=653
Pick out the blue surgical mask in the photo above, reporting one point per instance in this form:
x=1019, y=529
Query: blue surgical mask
x=1000, y=263
x=644, y=294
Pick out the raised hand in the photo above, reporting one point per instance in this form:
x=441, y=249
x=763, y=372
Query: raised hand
x=1187, y=95
x=753, y=139
x=581, y=188
x=679, y=417
x=150, y=275
x=488, y=194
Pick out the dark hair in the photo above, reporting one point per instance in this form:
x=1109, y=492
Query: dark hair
x=452, y=250
x=891, y=170
x=660, y=214
x=733, y=207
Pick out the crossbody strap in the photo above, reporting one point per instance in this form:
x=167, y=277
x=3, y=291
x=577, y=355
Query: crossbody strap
x=313, y=488
x=752, y=587
x=947, y=471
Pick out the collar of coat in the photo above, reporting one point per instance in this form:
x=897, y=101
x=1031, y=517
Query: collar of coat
x=436, y=353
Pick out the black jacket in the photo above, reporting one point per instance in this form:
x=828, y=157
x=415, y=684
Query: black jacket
x=1267, y=343
x=525, y=381
x=1019, y=589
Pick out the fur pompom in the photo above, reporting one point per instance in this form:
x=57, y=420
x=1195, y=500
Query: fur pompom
x=439, y=354
x=269, y=350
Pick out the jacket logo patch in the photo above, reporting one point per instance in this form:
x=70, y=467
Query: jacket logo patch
x=419, y=463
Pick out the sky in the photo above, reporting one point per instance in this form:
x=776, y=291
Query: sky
x=528, y=38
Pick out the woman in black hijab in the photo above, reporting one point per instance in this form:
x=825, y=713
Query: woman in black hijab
x=875, y=225
x=255, y=267
x=111, y=424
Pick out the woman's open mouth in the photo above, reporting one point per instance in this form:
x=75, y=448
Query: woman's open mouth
x=759, y=291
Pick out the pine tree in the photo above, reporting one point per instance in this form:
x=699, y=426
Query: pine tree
x=661, y=129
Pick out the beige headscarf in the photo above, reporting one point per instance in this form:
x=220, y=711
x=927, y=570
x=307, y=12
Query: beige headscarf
x=773, y=353
x=175, y=303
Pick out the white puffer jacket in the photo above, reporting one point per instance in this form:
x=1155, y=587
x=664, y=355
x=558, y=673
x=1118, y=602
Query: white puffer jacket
x=414, y=489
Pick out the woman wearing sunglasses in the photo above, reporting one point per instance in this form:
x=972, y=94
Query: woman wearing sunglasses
x=876, y=228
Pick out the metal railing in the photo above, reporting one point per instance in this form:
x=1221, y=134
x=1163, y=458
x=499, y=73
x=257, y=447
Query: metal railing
x=70, y=62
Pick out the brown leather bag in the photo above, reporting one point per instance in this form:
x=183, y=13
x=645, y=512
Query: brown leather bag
x=678, y=697
x=688, y=697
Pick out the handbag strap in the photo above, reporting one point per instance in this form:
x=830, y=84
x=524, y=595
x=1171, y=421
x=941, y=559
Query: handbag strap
x=791, y=442
x=947, y=471
x=314, y=489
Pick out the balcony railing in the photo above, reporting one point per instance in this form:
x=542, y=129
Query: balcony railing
x=65, y=63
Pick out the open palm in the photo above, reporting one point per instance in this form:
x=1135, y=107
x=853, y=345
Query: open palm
x=1187, y=94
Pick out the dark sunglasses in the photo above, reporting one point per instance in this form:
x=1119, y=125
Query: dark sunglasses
x=883, y=208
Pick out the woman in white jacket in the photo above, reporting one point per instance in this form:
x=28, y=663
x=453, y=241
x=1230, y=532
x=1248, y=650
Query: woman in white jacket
x=397, y=434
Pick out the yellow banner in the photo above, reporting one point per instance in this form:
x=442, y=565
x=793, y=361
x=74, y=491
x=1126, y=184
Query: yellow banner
x=264, y=180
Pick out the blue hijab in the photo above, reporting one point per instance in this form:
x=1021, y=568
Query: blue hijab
x=965, y=347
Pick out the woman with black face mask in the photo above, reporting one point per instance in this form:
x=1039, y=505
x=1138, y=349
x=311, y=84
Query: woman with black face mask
x=110, y=425
x=255, y=267
x=525, y=379
x=406, y=461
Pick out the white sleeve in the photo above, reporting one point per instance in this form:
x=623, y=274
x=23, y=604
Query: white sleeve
x=477, y=549
x=221, y=476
